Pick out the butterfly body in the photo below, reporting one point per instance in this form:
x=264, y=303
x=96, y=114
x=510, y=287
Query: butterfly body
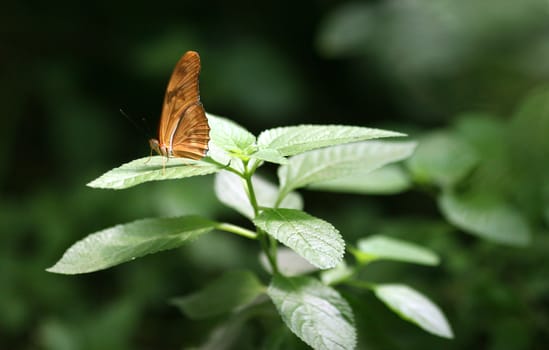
x=184, y=131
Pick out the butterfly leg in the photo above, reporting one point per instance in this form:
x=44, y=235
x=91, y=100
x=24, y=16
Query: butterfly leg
x=150, y=156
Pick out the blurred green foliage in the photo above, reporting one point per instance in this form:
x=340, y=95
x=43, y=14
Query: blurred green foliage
x=68, y=67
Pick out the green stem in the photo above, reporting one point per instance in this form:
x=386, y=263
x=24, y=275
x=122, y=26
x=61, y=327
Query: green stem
x=237, y=230
x=255, y=166
x=274, y=247
x=251, y=192
x=279, y=199
x=223, y=166
x=265, y=239
x=360, y=284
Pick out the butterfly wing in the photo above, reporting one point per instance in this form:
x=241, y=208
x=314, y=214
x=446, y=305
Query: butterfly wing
x=181, y=93
x=191, y=137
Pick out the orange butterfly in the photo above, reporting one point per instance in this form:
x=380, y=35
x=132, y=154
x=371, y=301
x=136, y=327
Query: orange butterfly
x=184, y=131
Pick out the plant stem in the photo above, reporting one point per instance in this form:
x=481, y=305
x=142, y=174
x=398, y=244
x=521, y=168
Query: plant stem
x=250, y=187
x=236, y=229
x=279, y=199
x=274, y=247
x=360, y=284
x=223, y=166
x=265, y=239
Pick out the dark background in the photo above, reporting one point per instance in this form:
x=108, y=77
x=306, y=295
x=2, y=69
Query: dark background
x=67, y=68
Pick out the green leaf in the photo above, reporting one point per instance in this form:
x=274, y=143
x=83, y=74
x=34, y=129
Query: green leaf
x=233, y=290
x=226, y=335
x=314, y=312
x=486, y=216
x=340, y=162
x=314, y=239
x=386, y=248
x=443, y=159
x=414, y=307
x=229, y=334
x=528, y=134
x=230, y=136
x=528, y=150
x=292, y=140
x=389, y=179
x=488, y=135
x=281, y=338
x=122, y=243
x=152, y=169
x=230, y=190
x=270, y=155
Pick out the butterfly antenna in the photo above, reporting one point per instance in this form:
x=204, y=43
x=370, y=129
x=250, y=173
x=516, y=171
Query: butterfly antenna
x=147, y=126
x=141, y=127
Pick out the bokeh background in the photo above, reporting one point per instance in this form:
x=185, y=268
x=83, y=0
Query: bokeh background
x=67, y=68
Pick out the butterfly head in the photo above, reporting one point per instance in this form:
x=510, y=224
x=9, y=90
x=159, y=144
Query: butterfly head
x=158, y=148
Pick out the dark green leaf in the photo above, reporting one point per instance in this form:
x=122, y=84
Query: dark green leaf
x=314, y=239
x=122, y=243
x=233, y=290
x=486, y=216
x=443, y=159
x=314, y=312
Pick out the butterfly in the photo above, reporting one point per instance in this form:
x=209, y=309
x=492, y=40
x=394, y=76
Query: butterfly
x=184, y=131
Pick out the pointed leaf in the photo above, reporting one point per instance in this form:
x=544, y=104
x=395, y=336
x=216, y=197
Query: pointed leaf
x=228, y=334
x=528, y=136
x=230, y=136
x=224, y=336
x=152, y=169
x=314, y=239
x=122, y=243
x=230, y=190
x=486, y=216
x=292, y=140
x=233, y=290
x=389, y=179
x=339, y=162
x=387, y=248
x=443, y=159
x=414, y=307
x=314, y=312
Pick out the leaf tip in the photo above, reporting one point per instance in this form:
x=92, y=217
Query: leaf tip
x=93, y=184
x=100, y=183
x=55, y=269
